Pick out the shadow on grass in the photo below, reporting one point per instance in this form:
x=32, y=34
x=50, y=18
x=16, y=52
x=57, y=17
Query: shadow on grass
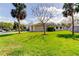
x=68, y=36
x=4, y=35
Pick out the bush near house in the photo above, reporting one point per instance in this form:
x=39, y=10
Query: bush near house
x=50, y=28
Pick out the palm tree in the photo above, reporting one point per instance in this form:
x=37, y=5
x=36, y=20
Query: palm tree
x=19, y=12
x=69, y=11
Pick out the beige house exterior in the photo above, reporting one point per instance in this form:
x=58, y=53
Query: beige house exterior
x=38, y=27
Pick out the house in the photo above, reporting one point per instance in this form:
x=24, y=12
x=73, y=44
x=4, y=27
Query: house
x=58, y=26
x=39, y=27
x=76, y=26
x=36, y=27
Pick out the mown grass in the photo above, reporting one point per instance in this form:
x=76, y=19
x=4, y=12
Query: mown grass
x=58, y=43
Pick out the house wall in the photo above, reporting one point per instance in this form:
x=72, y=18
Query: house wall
x=38, y=27
x=59, y=28
x=76, y=29
x=76, y=26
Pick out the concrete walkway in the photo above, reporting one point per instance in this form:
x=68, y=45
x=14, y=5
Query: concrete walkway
x=1, y=33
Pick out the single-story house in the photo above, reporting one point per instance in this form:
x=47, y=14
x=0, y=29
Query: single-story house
x=36, y=27
x=39, y=27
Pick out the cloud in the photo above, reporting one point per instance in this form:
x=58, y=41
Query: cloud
x=57, y=13
x=24, y=22
x=56, y=20
x=6, y=19
x=61, y=19
x=54, y=10
x=11, y=20
x=69, y=18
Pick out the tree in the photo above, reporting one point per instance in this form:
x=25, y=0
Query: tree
x=6, y=26
x=69, y=11
x=31, y=23
x=23, y=27
x=19, y=12
x=43, y=15
x=77, y=7
x=15, y=26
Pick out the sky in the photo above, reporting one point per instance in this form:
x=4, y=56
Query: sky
x=5, y=9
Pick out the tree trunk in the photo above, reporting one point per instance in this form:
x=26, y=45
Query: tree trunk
x=18, y=26
x=72, y=25
x=32, y=28
x=44, y=29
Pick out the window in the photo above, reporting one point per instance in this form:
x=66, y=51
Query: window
x=56, y=27
x=60, y=27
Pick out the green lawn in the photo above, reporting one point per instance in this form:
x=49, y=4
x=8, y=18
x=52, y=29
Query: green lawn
x=58, y=43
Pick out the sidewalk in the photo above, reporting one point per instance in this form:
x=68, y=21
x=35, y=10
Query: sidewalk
x=6, y=33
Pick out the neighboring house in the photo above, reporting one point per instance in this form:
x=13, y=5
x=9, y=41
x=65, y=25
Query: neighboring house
x=76, y=26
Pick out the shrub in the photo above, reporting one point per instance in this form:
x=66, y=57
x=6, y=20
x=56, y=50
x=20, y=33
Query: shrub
x=50, y=28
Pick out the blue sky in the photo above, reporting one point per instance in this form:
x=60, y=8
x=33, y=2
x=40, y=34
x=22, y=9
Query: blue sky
x=5, y=9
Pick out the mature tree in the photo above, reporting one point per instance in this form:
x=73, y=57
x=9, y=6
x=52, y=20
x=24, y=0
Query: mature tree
x=6, y=26
x=19, y=12
x=69, y=11
x=43, y=15
x=22, y=26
